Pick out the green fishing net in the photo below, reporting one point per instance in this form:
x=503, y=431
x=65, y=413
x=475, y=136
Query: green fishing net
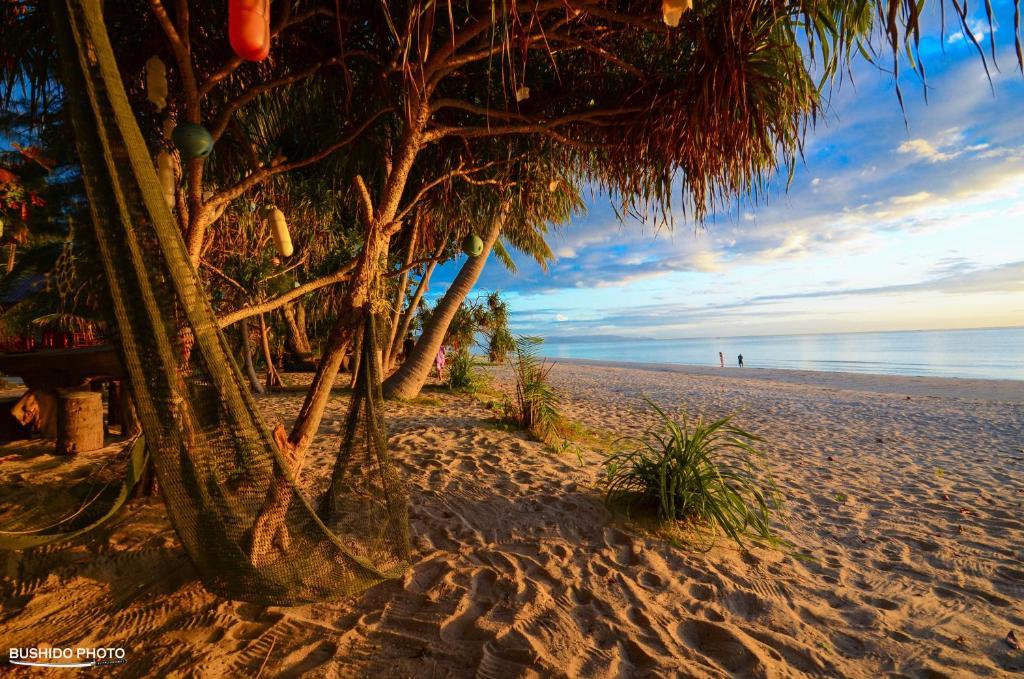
x=230, y=492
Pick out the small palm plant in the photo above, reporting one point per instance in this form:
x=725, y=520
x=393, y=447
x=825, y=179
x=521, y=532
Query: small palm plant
x=701, y=473
x=462, y=371
x=535, y=408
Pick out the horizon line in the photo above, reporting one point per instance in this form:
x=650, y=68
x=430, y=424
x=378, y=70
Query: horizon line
x=790, y=334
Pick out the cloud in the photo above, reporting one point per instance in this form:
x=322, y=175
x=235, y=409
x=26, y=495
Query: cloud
x=978, y=28
x=866, y=186
x=958, y=279
x=923, y=148
x=962, y=279
x=949, y=266
x=706, y=261
x=919, y=197
x=794, y=243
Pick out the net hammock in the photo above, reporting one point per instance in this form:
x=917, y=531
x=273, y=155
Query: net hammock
x=230, y=492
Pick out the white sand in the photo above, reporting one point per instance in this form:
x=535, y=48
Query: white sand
x=915, y=529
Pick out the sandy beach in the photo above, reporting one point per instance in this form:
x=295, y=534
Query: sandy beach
x=308, y=257
x=903, y=497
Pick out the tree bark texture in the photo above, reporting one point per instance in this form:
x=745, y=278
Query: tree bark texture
x=408, y=380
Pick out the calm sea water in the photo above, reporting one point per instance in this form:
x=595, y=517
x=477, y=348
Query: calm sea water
x=996, y=353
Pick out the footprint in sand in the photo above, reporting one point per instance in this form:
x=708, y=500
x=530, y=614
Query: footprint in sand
x=700, y=591
x=475, y=603
x=650, y=580
x=745, y=604
x=306, y=659
x=882, y=603
x=724, y=646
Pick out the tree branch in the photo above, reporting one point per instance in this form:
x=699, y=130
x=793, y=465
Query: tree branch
x=651, y=23
x=364, y=200
x=599, y=51
x=589, y=118
x=287, y=297
x=223, y=275
x=412, y=265
x=479, y=110
x=183, y=55
x=279, y=165
x=466, y=35
x=458, y=172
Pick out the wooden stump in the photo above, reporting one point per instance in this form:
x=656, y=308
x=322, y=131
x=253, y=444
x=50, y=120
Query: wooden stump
x=37, y=410
x=113, y=405
x=121, y=409
x=130, y=425
x=79, y=421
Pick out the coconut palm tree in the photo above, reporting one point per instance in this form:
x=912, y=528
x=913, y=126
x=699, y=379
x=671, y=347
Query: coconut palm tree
x=521, y=218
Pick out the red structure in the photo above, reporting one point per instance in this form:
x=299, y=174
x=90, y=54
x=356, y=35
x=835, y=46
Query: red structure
x=48, y=340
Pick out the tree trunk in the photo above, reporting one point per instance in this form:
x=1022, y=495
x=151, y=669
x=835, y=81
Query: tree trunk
x=273, y=378
x=250, y=369
x=79, y=422
x=130, y=424
x=409, y=379
x=300, y=321
x=351, y=310
x=114, y=408
x=357, y=357
x=11, y=250
x=396, y=307
x=414, y=303
x=355, y=302
x=298, y=342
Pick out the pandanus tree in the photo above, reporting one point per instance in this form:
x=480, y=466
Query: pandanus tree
x=610, y=93
x=602, y=91
x=417, y=100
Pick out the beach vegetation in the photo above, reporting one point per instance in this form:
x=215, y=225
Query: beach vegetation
x=499, y=345
x=463, y=371
x=478, y=140
x=592, y=438
x=535, y=403
x=480, y=322
x=500, y=342
x=704, y=474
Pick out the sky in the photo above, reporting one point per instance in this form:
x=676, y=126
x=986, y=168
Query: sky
x=889, y=223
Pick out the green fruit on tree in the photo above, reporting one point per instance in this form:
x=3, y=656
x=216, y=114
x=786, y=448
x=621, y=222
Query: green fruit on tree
x=472, y=245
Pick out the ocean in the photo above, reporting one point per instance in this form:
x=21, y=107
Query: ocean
x=993, y=353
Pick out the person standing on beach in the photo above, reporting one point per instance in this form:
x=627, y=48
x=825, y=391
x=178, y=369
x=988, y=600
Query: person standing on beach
x=721, y=359
x=439, y=362
x=407, y=346
x=740, y=358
